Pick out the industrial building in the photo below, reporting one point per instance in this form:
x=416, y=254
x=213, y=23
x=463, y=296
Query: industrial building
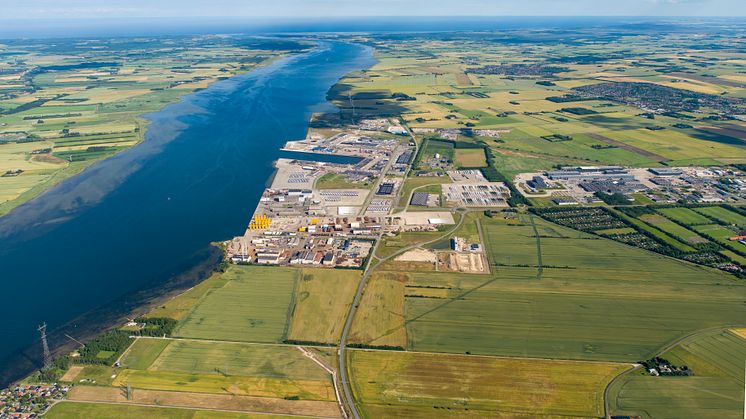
x=590, y=173
x=420, y=199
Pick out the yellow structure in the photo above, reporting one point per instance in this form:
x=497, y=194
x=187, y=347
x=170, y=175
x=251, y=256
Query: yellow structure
x=259, y=222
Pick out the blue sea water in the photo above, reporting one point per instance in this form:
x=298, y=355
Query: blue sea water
x=139, y=224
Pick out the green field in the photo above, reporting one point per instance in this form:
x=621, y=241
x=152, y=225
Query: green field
x=714, y=391
x=578, y=297
x=217, y=383
x=673, y=229
x=685, y=216
x=237, y=359
x=658, y=234
x=71, y=410
x=253, y=306
x=723, y=215
x=470, y=157
x=143, y=352
x=338, y=181
x=398, y=384
x=380, y=319
x=721, y=234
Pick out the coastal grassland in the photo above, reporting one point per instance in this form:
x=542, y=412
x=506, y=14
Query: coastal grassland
x=230, y=402
x=723, y=214
x=101, y=375
x=553, y=292
x=379, y=320
x=252, y=306
x=684, y=215
x=715, y=390
x=322, y=300
x=182, y=304
x=387, y=384
x=73, y=410
x=470, y=157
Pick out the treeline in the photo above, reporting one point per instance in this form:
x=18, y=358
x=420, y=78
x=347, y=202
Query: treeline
x=595, y=219
x=490, y=172
x=493, y=175
x=107, y=348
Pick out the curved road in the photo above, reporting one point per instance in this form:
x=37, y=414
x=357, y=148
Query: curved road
x=660, y=352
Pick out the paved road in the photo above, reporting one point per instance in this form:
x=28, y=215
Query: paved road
x=346, y=390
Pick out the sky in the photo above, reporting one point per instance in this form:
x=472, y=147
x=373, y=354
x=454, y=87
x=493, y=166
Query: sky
x=84, y=9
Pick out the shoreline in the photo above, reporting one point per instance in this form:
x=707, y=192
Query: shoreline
x=64, y=339
x=142, y=122
x=95, y=322
x=26, y=360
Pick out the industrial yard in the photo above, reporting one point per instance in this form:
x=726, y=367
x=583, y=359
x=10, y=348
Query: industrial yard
x=330, y=214
x=571, y=185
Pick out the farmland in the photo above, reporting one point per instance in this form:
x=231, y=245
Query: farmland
x=681, y=232
x=528, y=109
x=470, y=157
x=685, y=216
x=715, y=389
x=278, y=362
x=546, y=298
x=65, y=106
x=575, y=293
x=380, y=322
x=68, y=410
x=321, y=304
x=391, y=384
x=723, y=215
x=256, y=386
x=220, y=366
x=673, y=229
x=202, y=401
x=253, y=305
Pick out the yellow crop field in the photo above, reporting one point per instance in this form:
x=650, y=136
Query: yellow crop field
x=225, y=384
x=380, y=319
x=384, y=382
x=322, y=301
x=470, y=157
x=741, y=332
x=204, y=401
